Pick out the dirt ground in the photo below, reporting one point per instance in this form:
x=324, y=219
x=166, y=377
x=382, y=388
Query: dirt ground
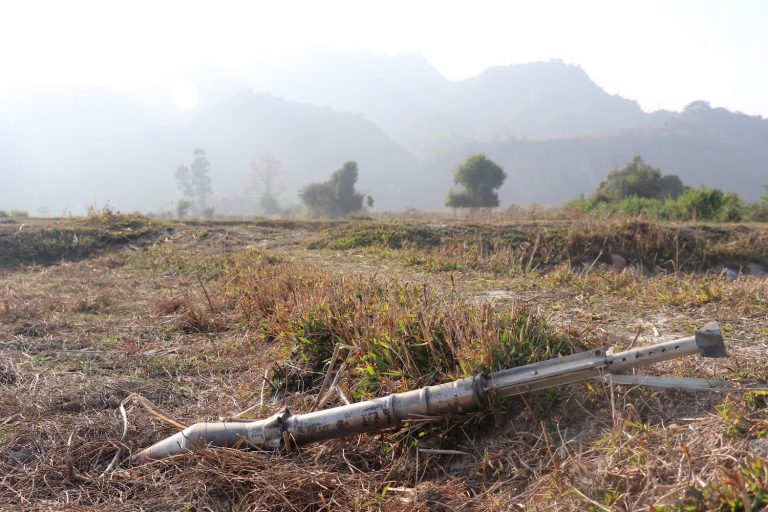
x=127, y=316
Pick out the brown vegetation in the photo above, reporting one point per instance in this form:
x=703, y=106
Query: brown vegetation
x=222, y=319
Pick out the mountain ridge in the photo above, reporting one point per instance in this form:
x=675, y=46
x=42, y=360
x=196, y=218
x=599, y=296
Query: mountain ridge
x=426, y=115
x=556, y=133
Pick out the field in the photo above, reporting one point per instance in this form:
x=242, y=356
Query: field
x=179, y=322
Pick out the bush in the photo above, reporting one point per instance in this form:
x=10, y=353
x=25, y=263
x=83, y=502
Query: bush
x=637, y=179
x=404, y=336
x=337, y=197
x=701, y=204
x=638, y=189
x=706, y=204
x=18, y=214
x=758, y=213
x=634, y=205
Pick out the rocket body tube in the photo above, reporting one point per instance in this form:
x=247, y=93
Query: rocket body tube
x=459, y=396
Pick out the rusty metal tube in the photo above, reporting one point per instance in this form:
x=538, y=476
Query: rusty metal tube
x=459, y=396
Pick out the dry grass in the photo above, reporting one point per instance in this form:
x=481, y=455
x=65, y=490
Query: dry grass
x=193, y=321
x=401, y=335
x=510, y=248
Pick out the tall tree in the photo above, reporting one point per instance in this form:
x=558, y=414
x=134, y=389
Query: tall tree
x=265, y=182
x=184, y=181
x=336, y=197
x=195, y=184
x=478, y=179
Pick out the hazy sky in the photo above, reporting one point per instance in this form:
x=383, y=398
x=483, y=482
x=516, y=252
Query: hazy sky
x=662, y=53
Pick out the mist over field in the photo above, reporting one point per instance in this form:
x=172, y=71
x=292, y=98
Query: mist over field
x=552, y=128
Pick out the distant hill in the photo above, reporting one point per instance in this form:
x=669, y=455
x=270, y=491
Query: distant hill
x=704, y=146
x=391, y=92
x=555, y=132
x=311, y=143
x=87, y=147
x=428, y=114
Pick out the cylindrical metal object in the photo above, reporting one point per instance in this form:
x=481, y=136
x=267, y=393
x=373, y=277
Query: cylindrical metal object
x=223, y=434
x=386, y=412
x=652, y=354
x=460, y=396
x=391, y=411
x=547, y=374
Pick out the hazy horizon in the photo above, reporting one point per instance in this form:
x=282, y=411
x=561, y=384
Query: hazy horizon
x=101, y=102
x=661, y=54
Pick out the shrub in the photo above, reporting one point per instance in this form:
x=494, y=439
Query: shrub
x=404, y=335
x=634, y=205
x=638, y=189
x=707, y=204
x=336, y=197
x=639, y=180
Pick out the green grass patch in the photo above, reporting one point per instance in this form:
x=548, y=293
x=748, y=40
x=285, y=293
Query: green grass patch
x=402, y=336
x=46, y=242
x=742, y=488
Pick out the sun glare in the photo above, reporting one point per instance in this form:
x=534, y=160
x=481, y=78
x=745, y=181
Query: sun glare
x=184, y=94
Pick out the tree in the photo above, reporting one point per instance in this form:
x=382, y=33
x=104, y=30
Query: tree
x=640, y=180
x=184, y=181
x=319, y=198
x=195, y=185
x=671, y=186
x=182, y=208
x=478, y=179
x=697, y=106
x=336, y=197
x=265, y=172
x=343, y=181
